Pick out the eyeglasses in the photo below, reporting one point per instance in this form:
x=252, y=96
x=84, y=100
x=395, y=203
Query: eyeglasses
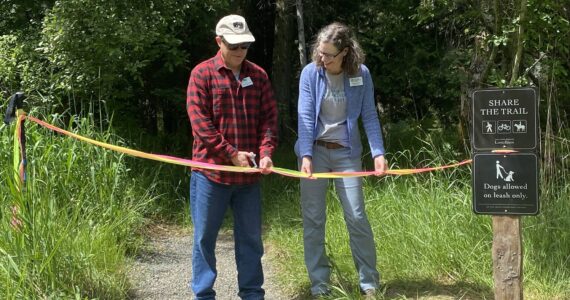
x=233, y=47
x=328, y=55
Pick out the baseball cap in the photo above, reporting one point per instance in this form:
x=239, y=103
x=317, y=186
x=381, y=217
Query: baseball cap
x=234, y=30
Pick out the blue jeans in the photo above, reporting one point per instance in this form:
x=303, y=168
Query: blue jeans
x=313, y=204
x=208, y=204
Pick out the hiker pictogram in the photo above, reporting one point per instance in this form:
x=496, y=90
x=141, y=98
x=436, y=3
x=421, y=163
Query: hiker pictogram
x=489, y=127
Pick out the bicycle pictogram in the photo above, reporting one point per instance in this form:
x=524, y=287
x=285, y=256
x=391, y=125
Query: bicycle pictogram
x=504, y=126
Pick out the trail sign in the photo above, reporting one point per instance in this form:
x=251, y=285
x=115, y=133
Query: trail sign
x=505, y=118
x=505, y=184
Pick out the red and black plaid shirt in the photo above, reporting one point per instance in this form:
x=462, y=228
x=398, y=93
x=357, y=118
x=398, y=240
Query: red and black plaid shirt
x=227, y=117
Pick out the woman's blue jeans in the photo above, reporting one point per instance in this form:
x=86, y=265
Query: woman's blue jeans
x=209, y=202
x=313, y=204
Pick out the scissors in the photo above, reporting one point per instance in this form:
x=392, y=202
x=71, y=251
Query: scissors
x=252, y=158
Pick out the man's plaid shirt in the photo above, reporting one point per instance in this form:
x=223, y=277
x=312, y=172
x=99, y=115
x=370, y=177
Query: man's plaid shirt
x=228, y=115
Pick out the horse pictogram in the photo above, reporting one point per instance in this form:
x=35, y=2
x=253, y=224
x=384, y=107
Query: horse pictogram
x=520, y=127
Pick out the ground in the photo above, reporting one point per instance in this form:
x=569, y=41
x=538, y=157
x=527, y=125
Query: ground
x=162, y=270
x=163, y=267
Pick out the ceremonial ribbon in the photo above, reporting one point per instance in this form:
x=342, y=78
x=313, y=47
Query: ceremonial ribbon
x=202, y=165
x=19, y=157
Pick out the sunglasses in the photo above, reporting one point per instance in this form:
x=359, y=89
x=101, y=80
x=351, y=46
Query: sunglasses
x=233, y=47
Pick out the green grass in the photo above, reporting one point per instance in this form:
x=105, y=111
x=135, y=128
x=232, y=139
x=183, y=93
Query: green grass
x=80, y=211
x=429, y=241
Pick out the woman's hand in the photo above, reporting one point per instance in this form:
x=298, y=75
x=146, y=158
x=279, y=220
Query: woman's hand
x=307, y=165
x=380, y=165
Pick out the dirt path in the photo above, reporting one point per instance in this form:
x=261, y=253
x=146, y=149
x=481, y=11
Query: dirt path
x=162, y=270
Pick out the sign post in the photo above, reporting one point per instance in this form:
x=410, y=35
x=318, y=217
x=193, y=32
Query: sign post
x=505, y=185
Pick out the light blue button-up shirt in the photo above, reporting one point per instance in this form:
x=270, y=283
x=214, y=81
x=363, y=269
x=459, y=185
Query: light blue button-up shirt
x=359, y=91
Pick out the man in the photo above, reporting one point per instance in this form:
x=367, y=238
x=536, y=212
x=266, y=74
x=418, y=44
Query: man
x=233, y=114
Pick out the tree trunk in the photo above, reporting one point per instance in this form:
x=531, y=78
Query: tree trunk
x=481, y=62
x=520, y=40
x=284, y=71
x=301, y=30
x=159, y=119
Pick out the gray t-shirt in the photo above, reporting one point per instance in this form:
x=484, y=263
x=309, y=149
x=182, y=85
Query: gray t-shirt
x=332, y=117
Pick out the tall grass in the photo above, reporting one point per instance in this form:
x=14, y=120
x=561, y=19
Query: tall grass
x=429, y=241
x=76, y=217
x=67, y=235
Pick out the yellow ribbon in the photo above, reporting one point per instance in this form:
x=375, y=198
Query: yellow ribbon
x=201, y=165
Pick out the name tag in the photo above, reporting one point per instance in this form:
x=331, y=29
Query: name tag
x=246, y=82
x=355, y=81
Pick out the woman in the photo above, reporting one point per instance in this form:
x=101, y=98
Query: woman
x=334, y=91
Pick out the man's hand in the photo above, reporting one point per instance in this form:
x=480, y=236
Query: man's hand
x=380, y=165
x=242, y=159
x=265, y=164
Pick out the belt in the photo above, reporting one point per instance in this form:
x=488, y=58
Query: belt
x=328, y=145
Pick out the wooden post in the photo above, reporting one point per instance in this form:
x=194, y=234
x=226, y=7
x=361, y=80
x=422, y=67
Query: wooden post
x=507, y=257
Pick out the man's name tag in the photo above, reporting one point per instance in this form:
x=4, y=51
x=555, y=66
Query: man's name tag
x=246, y=82
x=355, y=81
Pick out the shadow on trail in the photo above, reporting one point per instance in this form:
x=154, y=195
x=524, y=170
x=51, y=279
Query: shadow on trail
x=409, y=289
x=413, y=289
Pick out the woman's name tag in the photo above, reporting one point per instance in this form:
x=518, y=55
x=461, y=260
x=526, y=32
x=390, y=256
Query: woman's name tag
x=355, y=81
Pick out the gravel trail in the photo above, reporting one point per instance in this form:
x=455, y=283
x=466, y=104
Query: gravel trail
x=162, y=270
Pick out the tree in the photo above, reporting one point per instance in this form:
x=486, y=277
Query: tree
x=107, y=56
x=301, y=30
x=285, y=68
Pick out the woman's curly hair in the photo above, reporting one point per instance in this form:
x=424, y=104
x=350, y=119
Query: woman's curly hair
x=341, y=37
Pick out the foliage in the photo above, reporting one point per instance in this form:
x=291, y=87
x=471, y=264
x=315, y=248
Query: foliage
x=131, y=59
x=22, y=15
x=66, y=234
x=424, y=55
x=134, y=57
x=127, y=57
